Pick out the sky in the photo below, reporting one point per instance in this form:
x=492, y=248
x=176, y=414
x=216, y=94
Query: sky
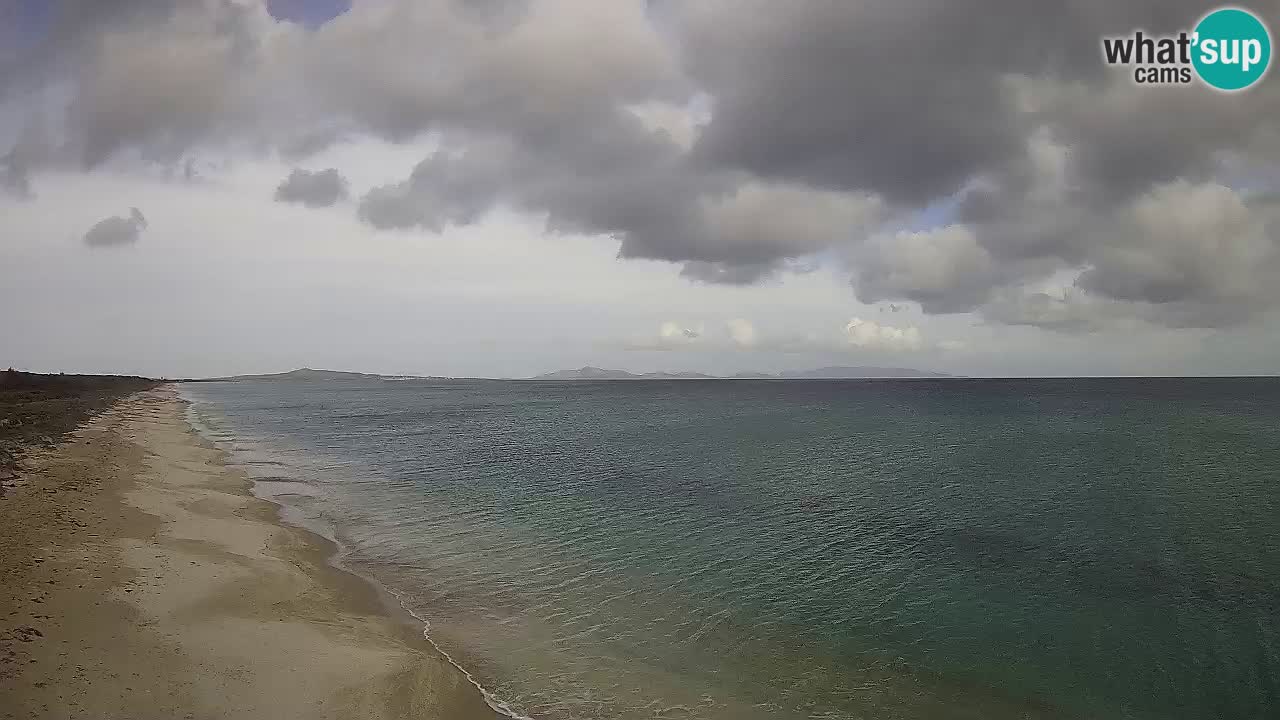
x=507, y=187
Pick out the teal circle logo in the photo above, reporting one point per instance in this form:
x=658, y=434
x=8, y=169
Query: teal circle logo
x=1232, y=49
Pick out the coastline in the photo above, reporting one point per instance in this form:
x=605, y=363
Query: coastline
x=142, y=578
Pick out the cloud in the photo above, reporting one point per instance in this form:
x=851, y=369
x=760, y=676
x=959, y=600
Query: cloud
x=169, y=81
x=673, y=331
x=944, y=270
x=445, y=188
x=858, y=336
x=742, y=333
x=678, y=124
x=671, y=336
x=32, y=150
x=1181, y=255
x=1194, y=255
x=758, y=221
x=65, y=39
x=1045, y=146
x=956, y=106
x=15, y=180
x=116, y=231
x=723, y=273
x=736, y=140
x=320, y=188
x=1070, y=311
x=540, y=110
x=528, y=69
x=846, y=125
x=870, y=335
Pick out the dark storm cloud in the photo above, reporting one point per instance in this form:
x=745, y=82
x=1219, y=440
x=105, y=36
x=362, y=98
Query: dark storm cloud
x=915, y=101
x=534, y=73
x=902, y=97
x=1124, y=141
x=624, y=181
x=320, y=188
x=735, y=138
x=175, y=81
x=43, y=39
x=116, y=231
x=903, y=101
x=831, y=93
x=445, y=188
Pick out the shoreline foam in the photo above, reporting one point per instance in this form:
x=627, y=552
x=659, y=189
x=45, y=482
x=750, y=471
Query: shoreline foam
x=161, y=587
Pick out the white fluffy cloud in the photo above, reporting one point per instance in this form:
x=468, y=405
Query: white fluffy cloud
x=674, y=332
x=871, y=335
x=740, y=335
x=742, y=332
x=671, y=335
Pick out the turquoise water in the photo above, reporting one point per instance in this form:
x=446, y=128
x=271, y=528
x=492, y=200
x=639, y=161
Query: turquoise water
x=824, y=549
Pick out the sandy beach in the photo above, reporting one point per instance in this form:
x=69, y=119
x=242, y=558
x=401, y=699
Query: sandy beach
x=140, y=579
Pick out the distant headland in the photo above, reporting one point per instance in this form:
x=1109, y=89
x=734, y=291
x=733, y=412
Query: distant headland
x=594, y=373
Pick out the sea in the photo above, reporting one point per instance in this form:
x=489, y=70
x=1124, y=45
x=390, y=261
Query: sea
x=950, y=548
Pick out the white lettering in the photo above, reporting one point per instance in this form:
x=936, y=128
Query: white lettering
x=1209, y=51
x=1252, y=54
x=1230, y=51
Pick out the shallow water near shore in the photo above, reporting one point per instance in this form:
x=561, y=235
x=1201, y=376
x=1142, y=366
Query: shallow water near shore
x=828, y=549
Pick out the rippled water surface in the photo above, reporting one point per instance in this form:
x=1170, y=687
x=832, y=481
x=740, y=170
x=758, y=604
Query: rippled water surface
x=844, y=549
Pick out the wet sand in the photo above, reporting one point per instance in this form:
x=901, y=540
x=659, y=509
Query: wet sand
x=140, y=579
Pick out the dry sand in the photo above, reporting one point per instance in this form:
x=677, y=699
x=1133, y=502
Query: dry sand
x=139, y=579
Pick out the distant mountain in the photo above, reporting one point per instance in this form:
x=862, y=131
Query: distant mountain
x=586, y=373
x=595, y=373
x=312, y=375
x=686, y=375
x=846, y=373
x=826, y=373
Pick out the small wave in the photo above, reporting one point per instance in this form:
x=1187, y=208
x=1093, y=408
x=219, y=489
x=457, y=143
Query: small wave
x=285, y=487
x=261, y=463
x=494, y=703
